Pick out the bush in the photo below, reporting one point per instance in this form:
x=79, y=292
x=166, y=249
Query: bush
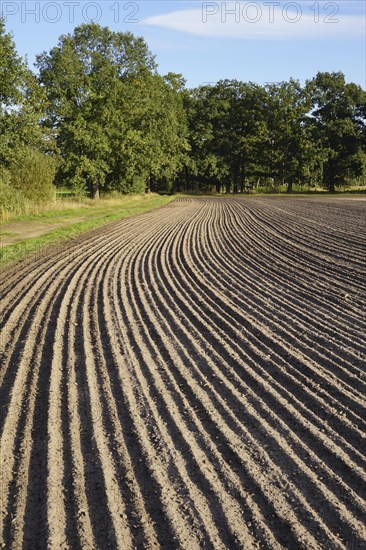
x=32, y=174
x=4, y=176
x=78, y=189
x=11, y=200
x=266, y=189
x=132, y=186
x=26, y=182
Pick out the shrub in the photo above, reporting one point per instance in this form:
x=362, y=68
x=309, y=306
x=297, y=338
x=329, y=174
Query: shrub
x=32, y=174
x=11, y=200
x=78, y=188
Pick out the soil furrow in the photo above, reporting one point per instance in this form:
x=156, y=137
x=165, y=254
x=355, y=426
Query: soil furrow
x=190, y=378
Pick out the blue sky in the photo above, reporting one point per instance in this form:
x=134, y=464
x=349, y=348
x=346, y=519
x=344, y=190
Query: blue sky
x=258, y=41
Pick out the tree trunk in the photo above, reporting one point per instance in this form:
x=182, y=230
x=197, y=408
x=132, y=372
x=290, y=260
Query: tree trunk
x=289, y=187
x=218, y=187
x=186, y=179
x=331, y=186
x=96, y=194
x=148, y=184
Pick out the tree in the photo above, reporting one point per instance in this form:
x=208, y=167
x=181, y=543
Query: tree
x=13, y=77
x=119, y=124
x=287, y=149
x=26, y=168
x=87, y=78
x=12, y=70
x=150, y=136
x=205, y=167
x=168, y=132
x=242, y=131
x=338, y=120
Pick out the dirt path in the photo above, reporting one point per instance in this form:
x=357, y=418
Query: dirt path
x=11, y=233
x=192, y=377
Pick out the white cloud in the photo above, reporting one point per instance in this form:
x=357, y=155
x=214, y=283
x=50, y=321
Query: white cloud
x=268, y=20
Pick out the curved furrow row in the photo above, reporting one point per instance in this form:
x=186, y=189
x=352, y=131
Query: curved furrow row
x=344, y=219
x=200, y=270
x=291, y=328
x=286, y=281
x=189, y=378
x=303, y=263
x=254, y=273
x=120, y=427
x=15, y=284
x=280, y=313
x=111, y=350
x=62, y=250
x=52, y=257
x=239, y=332
x=298, y=308
x=317, y=235
x=307, y=262
x=16, y=441
x=153, y=430
x=313, y=289
x=270, y=311
x=25, y=376
x=181, y=365
x=39, y=279
x=22, y=322
x=24, y=387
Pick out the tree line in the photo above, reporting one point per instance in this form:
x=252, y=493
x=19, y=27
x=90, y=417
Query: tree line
x=97, y=117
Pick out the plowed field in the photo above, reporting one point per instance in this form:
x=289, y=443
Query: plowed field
x=192, y=377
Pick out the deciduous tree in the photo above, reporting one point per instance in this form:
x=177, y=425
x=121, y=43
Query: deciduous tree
x=339, y=120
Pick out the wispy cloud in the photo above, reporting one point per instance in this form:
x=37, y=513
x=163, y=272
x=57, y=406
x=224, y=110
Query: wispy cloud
x=268, y=20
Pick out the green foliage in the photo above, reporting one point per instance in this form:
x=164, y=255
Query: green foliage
x=12, y=69
x=101, y=116
x=287, y=150
x=26, y=172
x=166, y=132
x=107, y=104
x=32, y=174
x=338, y=121
x=27, y=180
x=22, y=103
x=243, y=136
x=240, y=132
x=78, y=188
x=11, y=201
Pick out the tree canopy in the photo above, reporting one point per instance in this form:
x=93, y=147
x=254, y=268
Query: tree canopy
x=27, y=170
x=99, y=109
x=119, y=124
x=338, y=118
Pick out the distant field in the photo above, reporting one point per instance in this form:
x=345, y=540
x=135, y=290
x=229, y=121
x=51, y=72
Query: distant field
x=192, y=377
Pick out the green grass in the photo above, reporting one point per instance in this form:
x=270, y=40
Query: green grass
x=95, y=214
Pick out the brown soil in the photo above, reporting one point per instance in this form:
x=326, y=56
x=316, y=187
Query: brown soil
x=192, y=377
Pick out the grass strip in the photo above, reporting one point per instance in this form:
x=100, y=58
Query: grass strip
x=96, y=216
